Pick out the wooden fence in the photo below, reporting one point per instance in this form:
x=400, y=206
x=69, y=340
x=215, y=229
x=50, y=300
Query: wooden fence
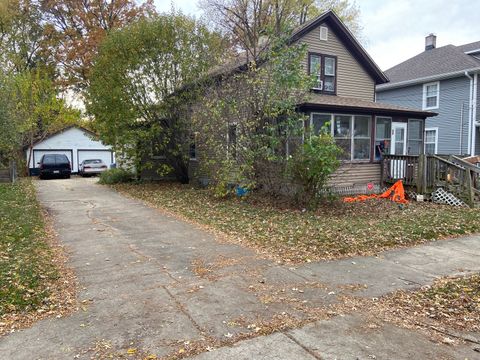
x=426, y=173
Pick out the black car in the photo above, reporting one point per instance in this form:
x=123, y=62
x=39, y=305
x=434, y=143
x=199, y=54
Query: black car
x=55, y=165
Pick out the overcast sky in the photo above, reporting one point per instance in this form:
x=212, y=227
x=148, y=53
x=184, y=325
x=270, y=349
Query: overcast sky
x=395, y=30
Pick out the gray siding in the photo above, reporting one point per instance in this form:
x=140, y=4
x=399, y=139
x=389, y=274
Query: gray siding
x=352, y=79
x=453, y=94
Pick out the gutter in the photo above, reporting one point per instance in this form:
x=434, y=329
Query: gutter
x=422, y=80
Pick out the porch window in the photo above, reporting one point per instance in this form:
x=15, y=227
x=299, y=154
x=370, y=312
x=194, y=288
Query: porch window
x=431, y=94
x=383, y=136
x=431, y=140
x=415, y=136
x=342, y=131
x=352, y=134
x=321, y=123
x=361, y=138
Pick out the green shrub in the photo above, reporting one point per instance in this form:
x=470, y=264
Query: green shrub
x=311, y=165
x=115, y=176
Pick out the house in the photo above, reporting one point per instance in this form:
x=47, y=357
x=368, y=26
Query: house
x=76, y=143
x=344, y=97
x=444, y=80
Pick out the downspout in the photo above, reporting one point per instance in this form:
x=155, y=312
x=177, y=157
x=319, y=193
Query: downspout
x=469, y=146
x=474, y=112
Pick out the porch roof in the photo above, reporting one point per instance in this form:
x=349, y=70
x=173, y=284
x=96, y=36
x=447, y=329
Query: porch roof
x=340, y=103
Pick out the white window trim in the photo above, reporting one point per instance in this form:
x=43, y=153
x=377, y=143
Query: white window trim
x=425, y=139
x=424, y=102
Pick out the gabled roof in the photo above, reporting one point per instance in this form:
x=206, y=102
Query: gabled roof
x=342, y=32
x=347, y=38
x=62, y=131
x=443, y=62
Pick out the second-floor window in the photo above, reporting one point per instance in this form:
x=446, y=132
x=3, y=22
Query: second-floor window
x=324, y=68
x=431, y=95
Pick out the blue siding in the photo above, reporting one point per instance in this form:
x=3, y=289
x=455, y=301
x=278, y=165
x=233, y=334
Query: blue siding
x=453, y=94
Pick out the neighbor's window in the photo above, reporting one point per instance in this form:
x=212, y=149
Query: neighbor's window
x=431, y=137
x=383, y=136
x=232, y=140
x=415, y=136
x=325, y=71
x=431, y=94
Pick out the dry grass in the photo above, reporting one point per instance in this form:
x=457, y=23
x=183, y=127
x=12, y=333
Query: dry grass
x=292, y=235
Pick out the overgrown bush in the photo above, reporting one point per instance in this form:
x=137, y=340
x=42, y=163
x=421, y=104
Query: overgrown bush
x=115, y=176
x=311, y=165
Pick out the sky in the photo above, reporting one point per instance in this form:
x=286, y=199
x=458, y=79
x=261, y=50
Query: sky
x=395, y=30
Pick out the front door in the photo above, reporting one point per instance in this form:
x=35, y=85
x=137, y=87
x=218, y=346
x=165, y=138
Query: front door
x=399, y=147
x=399, y=139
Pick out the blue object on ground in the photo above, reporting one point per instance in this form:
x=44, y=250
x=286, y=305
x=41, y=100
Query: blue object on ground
x=241, y=191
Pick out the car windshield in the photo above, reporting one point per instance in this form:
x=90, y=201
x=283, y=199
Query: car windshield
x=48, y=160
x=61, y=159
x=94, y=161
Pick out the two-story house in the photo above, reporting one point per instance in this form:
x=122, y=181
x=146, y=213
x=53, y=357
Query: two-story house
x=344, y=97
x=444, y=80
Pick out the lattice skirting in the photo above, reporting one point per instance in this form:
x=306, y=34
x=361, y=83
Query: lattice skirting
x=440, y=196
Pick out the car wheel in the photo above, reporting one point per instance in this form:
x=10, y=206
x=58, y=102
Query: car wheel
x=67, y=176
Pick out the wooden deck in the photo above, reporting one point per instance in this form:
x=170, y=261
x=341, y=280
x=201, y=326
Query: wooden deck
x=426, y=173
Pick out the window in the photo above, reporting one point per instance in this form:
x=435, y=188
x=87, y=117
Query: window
x=324, y=69
x=431, y=140
x=193, y=147
x=415, y=136
x=383, y=136
x=316, y=69
x=329, y=73
x=431, y=95
x=323, y=33
x=232, y=140
x=321, y=122
x=361, y=137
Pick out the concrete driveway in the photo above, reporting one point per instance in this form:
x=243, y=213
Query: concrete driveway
x=153, y=282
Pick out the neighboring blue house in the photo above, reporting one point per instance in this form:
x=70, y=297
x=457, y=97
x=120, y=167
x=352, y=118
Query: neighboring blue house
x=443, y=80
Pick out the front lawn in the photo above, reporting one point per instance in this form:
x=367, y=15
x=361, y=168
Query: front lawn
x=336, y=230
x=450, y=305
x=29, y=267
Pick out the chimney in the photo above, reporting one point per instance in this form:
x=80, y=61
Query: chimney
x=430, y=42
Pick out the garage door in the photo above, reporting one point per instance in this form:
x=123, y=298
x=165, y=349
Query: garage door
x=37, y=155
x=104, y=155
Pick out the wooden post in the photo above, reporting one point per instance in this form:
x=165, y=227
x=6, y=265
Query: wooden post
x=469, y=188
x=421, y=175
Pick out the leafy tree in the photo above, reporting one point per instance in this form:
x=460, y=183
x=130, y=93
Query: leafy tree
x=32, y=110
x=76, y=29
x=251, y=24
x=137, y=70
x=22, y=40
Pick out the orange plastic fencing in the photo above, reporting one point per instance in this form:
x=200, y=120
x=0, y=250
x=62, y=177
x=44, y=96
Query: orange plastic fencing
x=395, y=193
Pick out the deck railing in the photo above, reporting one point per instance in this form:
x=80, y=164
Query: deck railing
x=426, y=173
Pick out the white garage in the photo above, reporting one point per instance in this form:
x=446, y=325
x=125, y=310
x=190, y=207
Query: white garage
x=76, y=143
